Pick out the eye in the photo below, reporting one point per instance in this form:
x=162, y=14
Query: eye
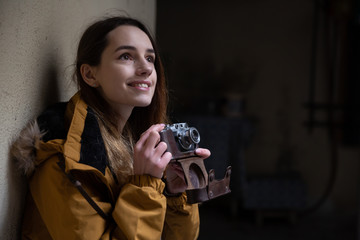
x=150, y=59
x=125, y=57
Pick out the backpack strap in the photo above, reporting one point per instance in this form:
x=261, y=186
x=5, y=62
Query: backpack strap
x=79, y=187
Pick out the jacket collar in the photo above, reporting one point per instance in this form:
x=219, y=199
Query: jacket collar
x=68, y=128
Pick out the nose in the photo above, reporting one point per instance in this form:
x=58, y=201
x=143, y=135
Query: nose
x=144, y=68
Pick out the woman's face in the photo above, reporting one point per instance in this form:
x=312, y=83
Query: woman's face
x=126, y=75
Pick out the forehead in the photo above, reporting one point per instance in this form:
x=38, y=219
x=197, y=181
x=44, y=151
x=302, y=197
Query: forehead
x=129, y=35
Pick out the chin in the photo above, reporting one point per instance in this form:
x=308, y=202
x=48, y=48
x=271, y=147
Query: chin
x=143, y=104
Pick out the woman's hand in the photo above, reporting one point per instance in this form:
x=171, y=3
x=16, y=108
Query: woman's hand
x=150, y=156
x=175, y=179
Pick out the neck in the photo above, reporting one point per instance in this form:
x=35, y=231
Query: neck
x=123, y=114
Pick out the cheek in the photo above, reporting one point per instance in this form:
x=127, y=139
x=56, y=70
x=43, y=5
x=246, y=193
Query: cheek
x=155, y=85
x=154, y=76
x=112, y=79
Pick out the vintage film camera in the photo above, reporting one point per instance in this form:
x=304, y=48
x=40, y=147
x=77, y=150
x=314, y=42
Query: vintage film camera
x=182, y=141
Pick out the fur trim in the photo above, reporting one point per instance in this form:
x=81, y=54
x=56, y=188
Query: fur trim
x=23, y=149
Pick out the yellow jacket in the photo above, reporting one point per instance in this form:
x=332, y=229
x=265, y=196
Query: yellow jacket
x=55, y=208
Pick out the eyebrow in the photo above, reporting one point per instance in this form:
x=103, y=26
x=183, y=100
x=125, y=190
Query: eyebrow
x=150, y=50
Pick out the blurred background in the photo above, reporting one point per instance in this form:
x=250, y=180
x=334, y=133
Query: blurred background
x=272, y=87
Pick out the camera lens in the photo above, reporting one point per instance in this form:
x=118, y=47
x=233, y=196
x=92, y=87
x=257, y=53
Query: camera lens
x=194, y=135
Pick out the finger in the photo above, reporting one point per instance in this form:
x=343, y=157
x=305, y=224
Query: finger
x=163, y=162
x=203, y=152
x=177, y=169
x=165, y=159
x=173, y=173
x=152, y=140
x=144, y=136
x=175, y=165
x=159, y=127
x=167, y=156
x=156, y=127
x=160, y=149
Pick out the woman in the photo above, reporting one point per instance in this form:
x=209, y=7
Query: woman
x=95, y=164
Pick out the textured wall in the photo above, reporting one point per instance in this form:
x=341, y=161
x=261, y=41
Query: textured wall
x=38, y=42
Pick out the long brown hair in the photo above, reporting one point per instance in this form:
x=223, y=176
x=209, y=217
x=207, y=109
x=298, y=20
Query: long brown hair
x=119, y=145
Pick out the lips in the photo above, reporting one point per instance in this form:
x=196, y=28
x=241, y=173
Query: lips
x=140, y=84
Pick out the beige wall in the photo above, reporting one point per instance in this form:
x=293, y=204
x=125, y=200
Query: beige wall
x=37, y=45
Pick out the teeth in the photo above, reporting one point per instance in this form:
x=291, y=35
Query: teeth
x=143, y=85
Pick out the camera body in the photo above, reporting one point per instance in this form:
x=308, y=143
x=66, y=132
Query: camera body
x=182, y=141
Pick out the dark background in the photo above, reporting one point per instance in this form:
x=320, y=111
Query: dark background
x=273, y=88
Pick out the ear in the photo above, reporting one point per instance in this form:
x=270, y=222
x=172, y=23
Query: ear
x=88, y=74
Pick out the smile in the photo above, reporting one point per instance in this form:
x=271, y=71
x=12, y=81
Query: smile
x=142, y=85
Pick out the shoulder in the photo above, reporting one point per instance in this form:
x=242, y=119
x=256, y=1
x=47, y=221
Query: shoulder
x=49, y=125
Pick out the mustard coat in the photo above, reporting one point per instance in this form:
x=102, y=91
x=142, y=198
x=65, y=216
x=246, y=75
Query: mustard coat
x=56, y=209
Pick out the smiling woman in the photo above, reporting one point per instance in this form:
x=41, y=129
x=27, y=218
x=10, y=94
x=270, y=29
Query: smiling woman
x=126, y=76
x=95, y=164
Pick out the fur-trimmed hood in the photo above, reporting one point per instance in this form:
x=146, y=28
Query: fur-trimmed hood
x=23, y=149
x=69, y=129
